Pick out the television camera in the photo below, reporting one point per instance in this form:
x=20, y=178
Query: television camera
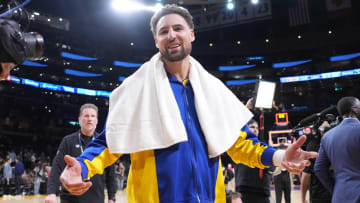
x=312, y=125
x=17, y=45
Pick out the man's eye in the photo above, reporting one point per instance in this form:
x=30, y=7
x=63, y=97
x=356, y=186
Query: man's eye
x=163, y=32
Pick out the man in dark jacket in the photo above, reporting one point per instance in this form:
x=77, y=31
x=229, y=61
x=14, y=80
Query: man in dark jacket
x=340, y=149
x=75, y=144
x=318, y=193
x=19, y=172
x=252, y=183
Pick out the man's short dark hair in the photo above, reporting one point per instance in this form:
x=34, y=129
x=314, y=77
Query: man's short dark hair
x=251, y=121
x=88, y=105
x=171, y=9
x=345, y=104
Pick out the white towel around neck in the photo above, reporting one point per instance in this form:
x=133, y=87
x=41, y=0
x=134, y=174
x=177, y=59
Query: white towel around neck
x=143, y=113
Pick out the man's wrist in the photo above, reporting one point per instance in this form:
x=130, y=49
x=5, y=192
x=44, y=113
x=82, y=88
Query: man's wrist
x=278, y=157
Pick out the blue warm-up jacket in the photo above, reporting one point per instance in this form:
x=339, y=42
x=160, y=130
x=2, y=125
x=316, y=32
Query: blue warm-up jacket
x=183, y=172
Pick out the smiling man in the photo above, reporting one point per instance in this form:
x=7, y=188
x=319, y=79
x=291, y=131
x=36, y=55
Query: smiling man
x=175, y=120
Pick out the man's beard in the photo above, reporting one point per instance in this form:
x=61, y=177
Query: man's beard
x=177, y=57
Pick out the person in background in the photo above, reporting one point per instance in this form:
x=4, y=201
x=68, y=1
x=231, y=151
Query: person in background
x=19, y=172
x=12, y=155
x=74, y=144
x=120, y=173
x=7, y=172
x=229, y=179
x=282, y=182
x=44, y=176
x=340, y=149
x=318, y=193
x=37, y=177
x=253, y=183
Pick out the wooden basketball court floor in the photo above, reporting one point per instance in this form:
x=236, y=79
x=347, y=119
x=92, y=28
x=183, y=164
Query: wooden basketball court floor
x=121, y=197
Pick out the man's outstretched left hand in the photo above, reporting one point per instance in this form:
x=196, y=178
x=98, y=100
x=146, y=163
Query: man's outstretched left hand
x=296, y=159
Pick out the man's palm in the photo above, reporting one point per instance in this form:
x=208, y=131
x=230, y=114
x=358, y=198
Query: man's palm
x=71, y=177
x=295, y=158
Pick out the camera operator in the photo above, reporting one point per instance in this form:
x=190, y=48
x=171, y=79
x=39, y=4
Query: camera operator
x=339, y=147
x=318, y=193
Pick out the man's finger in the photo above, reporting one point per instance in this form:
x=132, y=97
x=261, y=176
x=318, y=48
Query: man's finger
x=83, y=185
x=80, y=190
x=300, y=141
x=299, y=166
x=311, y=155
x=77, y=192
x=73, y=185
x=78, y=186
x=69, y=160
x=294, y=168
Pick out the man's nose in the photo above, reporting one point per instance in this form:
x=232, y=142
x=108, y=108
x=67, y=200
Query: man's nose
x=171, y=34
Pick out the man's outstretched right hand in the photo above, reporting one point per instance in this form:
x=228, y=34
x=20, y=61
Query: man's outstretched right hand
x=71, y=177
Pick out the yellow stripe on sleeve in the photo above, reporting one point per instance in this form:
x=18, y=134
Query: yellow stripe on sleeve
x=245, y=152
x=100, y=162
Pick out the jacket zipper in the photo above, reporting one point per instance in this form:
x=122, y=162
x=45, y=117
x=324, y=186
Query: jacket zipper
x=191, y=140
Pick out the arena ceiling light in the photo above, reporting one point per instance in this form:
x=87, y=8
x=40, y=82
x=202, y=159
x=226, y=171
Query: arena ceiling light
x=239, y=82
x=129, y=6
x=234, y=68
x=230, y=5
x=127, y=64
x=121, y=78
x=77, y=56
x=344, y=57
x=81, y=73
x=290, y=63
x=32, y=63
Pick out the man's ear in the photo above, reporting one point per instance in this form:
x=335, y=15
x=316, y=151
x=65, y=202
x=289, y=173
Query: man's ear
x=155, y=39
x=355, y=110
x=192, y=35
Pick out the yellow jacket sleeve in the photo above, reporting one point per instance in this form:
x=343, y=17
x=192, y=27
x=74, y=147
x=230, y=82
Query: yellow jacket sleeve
x=250, y=151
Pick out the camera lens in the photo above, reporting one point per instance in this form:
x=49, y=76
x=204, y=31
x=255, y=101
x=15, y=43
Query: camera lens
x=34, y=48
